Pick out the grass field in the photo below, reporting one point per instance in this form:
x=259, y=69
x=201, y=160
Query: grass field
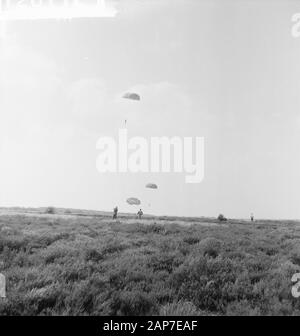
x=84, y=263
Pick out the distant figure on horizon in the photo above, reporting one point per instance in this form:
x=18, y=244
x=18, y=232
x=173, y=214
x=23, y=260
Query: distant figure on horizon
x=252, y=217
x=115, y=215
x=140, y=213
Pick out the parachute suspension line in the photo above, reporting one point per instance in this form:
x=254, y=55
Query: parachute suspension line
x=131, y=96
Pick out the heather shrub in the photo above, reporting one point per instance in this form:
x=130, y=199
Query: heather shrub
x=180, y=308
x=133, y=303
x=210, y=247
x=89, y=265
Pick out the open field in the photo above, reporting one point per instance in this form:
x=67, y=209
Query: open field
x=84, y=263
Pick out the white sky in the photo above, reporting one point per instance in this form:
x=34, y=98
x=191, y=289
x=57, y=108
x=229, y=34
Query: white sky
x=225, y=70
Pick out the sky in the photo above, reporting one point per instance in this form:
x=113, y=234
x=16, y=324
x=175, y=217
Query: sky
x=227, y=71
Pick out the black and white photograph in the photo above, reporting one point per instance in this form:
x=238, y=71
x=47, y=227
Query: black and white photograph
x=149, y=160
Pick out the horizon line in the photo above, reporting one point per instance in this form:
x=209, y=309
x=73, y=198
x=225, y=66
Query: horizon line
x=150, y=215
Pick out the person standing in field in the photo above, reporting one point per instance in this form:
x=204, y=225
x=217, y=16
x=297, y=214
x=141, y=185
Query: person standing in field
x=140, y=213
x=115, y=215
x=252, y=217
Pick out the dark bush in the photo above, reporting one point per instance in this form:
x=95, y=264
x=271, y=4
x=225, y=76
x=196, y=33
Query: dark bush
x=50, y=210
x=222, y=218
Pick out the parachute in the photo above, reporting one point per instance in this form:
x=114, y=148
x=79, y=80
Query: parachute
x=133, y=201
x=151, y=186
x=132, y=96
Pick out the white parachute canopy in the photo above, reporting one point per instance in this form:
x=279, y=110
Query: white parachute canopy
x=133, y=201
x=151, y=186
x=132, y=96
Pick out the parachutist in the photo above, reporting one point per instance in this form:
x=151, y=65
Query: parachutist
x=115, y=215
x=140, y=214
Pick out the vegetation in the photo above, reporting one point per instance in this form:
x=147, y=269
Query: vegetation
x=91, y=265
x=222, y=218
x=50, y=210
